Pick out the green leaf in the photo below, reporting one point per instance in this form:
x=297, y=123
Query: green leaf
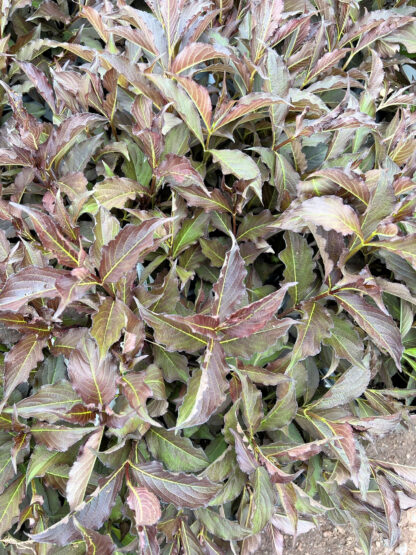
x=220, y=526
x=298, y=260
x=177, y=453
x=190, y=232
x=239, y=164
x=10, y=501
x=264, y=498
x=348, y=387
x=284, y=410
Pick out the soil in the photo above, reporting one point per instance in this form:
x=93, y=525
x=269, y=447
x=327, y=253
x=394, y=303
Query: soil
x=329, y=540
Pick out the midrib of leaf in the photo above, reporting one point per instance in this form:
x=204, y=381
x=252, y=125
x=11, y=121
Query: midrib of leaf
x=90, y=540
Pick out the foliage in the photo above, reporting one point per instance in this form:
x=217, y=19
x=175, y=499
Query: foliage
x=208, y=271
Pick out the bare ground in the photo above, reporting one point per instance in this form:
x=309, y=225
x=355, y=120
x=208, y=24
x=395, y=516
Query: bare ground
x=329, y=540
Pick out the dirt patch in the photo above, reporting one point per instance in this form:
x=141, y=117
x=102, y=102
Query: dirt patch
x=330, y=540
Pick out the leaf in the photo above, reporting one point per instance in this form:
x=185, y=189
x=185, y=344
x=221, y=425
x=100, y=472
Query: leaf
x=52, y=237
x=348, y=180
x=177, y=453
x=239, y=164
x=178, y=170
x=256, y=226
x=221, y=527
x=259, y=341
x=406, y=36
x=327, y=61
x=193, y=54
x=41, y=460
x=58, y=438
x=247, y=105
x=299, y=265
x=263, y=499
x=63, y=137
x=327, y=211
x=315, y=327
x=348, y=387
x=28, y=284
x=39, y=80
x=19, y=361
x=93, y=377
x=391, y=508
x=137, y=391
x=345, y=341
x=59, y=397
x=107, y=324
x=10, y=501
x=91, y=514
x=284, y=409
x=403, y=246
x=173, y=365
x=206, y=389
x=145, y=505
x=175, y=333
x=122, y=253
x=199, y=95
x=182, y=103
x=95, y=542
x=190, y=543
x=252, y=318
x=183, y=490
x=251, y=405
x=190, y=232
x=114, y=192
x=229, y=289
x=379, y=326
x=81, y=470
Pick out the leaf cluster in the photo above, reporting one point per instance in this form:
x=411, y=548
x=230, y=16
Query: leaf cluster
x=207, y=272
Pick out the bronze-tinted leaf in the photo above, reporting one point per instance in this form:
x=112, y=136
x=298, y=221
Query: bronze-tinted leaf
x=248, y=320
x=80, y=473
x=58, y=438
x=183, y=490
x=93, y=377
x=28, y=284
x=107, y=324
x=229, y=289
x=206, y=388
x=379, y=326
x=122, y=253
x=145, y=505
x=20, y=360
x=329, y=212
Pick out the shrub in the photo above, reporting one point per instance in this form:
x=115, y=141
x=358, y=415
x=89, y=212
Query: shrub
x=208, y=264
